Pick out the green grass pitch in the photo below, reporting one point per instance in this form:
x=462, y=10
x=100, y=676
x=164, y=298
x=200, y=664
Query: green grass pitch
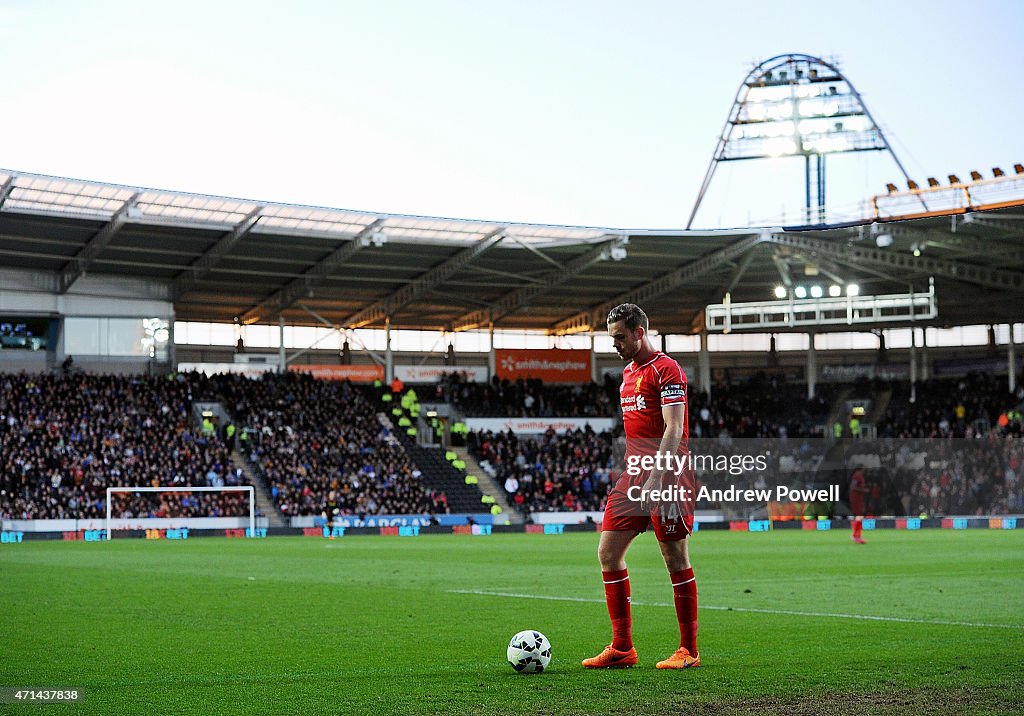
x=372, y=625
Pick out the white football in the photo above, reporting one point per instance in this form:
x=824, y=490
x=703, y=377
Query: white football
x=529, y=652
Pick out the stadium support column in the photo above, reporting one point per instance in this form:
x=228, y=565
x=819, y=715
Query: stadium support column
x=1011, y=357
x=281, y=359
x=389, y=358
x=704, y=364
x=172, y=351
x=913, y=365
x=492, y=362
x=812, y=366
x=925, y=369
x=593, y=357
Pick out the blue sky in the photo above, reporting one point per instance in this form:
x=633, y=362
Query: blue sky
x=582, y=113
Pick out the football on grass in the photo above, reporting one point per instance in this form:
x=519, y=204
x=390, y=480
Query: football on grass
x=529, y=652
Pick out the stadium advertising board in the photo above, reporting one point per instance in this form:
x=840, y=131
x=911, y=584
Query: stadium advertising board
x=433, y=373
x=537, y=426
x=850, y=373
x=308, y=521
x=552, y=365
x=354, y=373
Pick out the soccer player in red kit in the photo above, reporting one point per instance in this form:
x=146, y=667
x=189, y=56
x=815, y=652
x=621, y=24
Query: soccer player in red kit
x=858, y=490
x=653, y=400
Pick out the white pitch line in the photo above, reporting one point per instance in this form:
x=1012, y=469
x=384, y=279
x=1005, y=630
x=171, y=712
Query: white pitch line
x=788, y=612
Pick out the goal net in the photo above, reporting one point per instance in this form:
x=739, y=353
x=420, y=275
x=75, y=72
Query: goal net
x=154, y=507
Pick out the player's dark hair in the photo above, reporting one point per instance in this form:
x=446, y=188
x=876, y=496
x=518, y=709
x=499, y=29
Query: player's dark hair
x=631, y=313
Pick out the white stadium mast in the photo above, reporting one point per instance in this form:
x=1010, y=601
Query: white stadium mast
x=796, y=105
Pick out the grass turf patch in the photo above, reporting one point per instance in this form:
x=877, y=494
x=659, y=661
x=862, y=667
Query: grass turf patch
x=397, y=625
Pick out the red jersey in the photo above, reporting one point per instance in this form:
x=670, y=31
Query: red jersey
x=645, y=390
x=858, y=489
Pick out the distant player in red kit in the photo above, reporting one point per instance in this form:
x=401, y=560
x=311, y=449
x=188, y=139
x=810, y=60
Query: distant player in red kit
x=653, y=400
x=858, y=490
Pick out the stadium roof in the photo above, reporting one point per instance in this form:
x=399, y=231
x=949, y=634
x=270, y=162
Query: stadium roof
x=222, y=259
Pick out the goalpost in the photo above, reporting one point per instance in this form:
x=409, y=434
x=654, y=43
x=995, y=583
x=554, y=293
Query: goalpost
x=244, y=488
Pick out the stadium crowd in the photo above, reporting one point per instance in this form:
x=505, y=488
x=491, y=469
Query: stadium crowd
x=572, y=471
x=569, y=471
x=65, y=438
x=951, y=407
x=321, y=447
x=323, y=451
x=524, y=398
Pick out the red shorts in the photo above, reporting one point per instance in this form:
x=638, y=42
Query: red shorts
x=620, y=514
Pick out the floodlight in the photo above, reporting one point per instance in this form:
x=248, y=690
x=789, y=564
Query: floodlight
x=780, y=292
x=778, y=113
x=883, y=240
x=852, y=289
x=816, y=292
x=835, y=291
x=975, y=175
x=954, y=179
x=800, y=292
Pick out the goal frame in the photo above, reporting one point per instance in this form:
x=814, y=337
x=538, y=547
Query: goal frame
x=242, y=488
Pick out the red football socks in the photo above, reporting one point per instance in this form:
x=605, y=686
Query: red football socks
x=684, y=587
x=857, y=526
x=616, y=594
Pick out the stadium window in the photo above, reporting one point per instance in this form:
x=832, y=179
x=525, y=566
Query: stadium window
x=897, y=338
x=193, y=333
x=682, y=344
x=536, y=340
x=521, y=339
x=576, y=342
x=792, y=342
x=260, y=336
x=1003, y=334
x=181, y=329
x=739, y=342
x=845, y=341
x=505, y=339
x=196, y=333
x=974, y=336
x=222, y=334
x=420, y=341
x=472, y=342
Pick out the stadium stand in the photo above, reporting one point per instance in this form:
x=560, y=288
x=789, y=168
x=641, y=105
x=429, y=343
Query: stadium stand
x=525, y=398
x=322, y=447
x=570, y=471
x=65, y=438
x=329, y=448
x=951, y=407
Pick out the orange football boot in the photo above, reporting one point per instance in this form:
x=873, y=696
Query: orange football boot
x=612, y=658
x=682, y=659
